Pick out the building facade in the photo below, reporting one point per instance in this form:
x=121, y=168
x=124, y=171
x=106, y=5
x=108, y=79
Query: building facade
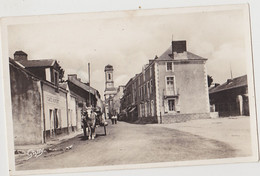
x=116, y=100
x=169, y=88
x=43, y=106
x=231, y=97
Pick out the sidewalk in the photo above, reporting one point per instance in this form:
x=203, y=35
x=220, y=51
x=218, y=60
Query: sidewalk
x=25, y=152
x=50, y=143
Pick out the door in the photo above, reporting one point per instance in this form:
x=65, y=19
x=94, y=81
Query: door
x=171, y=105
x=51, y=123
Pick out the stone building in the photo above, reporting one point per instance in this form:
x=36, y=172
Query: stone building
x=43, y=106
x=231, y=97
x=169, y=88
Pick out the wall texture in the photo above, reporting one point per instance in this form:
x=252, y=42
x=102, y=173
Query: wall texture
x=191, y=82
x=26, y=107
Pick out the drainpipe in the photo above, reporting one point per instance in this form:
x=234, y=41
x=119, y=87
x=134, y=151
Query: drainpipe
x=43, y=113
x=67, y=112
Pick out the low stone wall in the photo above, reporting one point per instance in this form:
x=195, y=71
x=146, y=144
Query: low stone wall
x=144, y=120
x=176, y=118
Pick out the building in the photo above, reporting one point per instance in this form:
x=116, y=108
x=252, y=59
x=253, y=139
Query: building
x=231, y=97
x=110, y=90
x=43, y=105
x=85, y=95
x=169, y=88
x=116, y=105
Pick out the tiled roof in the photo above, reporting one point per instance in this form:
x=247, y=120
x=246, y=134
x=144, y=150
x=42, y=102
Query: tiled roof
x=168, y=52
x=82, y=85
x=230, y=84
x=165, y=55
x=63, y=85
x=19, y=66
x=37, y=63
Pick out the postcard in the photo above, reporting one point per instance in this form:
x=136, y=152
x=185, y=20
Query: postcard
x=129, y=89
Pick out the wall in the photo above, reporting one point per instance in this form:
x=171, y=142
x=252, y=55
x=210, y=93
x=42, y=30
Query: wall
x=54, y=100
x=227, y=104
x=177, y=118
x=191, y=81
x=26, y=107
x=72, y=113
x=190, y=85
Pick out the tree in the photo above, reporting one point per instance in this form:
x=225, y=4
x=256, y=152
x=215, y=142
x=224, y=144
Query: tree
x=210, y=80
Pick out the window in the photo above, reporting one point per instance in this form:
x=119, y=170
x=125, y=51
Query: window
x=148, y=89
x=152, y=108
x=109, y=76
x=145, y=91
x=170, y=85
x=151, y=86
x=151, y=71
x=140, y=110
x=169, y=80
x=171, y=105
x=169, y=66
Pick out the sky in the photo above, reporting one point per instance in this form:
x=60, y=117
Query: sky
x=128, y=43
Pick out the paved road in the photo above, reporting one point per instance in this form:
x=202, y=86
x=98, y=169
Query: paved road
x=130, y=144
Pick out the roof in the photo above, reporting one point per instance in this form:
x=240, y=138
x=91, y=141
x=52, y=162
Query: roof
x=37, y=63
x=109, y=67
x=168, y=52
x=230, y=84
x=82, y=85
x=63, y=85
x=19, y=66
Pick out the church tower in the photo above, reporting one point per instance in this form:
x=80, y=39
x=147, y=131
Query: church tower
x=110, y=90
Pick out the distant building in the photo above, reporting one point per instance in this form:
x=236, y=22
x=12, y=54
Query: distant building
x=110, y=90
x=170, y=88
x=116, y=100
x=231, y=97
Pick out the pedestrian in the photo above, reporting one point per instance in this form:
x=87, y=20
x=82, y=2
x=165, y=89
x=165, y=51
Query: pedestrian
x=116, y=117
x=113, y=119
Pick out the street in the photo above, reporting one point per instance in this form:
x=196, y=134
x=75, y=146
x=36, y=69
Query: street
x=130, y=144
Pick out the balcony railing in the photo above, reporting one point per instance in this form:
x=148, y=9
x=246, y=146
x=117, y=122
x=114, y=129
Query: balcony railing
x=170, y=93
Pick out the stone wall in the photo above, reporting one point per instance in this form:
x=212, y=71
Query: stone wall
x=184, y=117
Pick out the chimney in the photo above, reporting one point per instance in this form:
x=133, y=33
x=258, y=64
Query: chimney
x=20, y=56
x=229, y=81
x=89, y=73
x=72, y=76
x=179, y=46
x=216, y=84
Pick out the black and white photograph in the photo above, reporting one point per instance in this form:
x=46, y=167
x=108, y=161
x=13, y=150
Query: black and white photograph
x=129, y=89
